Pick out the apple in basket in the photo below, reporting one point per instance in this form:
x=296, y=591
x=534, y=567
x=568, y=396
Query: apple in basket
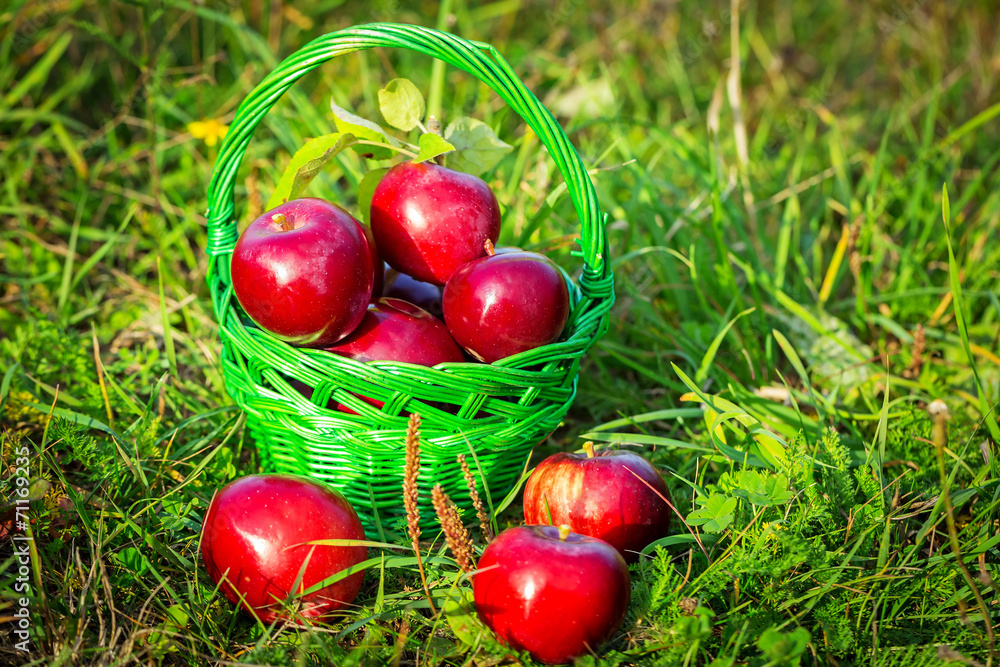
x=429, y=220
x=304, y=272
x=255, y=542
x=505, y=303
x=396, y=330
x=551, y=592
x=401, y=286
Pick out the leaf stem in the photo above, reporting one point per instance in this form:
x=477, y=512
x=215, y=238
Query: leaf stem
x=365, y=142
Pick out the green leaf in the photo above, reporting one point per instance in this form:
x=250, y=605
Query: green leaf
x=364, y=130
x=713, y=349
x=5, y=385
x=432, y=145
x=784, y=649
x=669, y=541
x=717, y=513
x=307, y=162
x=74, y=417
x=461, y=616
x=760, y=489
x=401, y=104
x=160, y=641
x=366, y=190
x=132, y=560
x=477, y=147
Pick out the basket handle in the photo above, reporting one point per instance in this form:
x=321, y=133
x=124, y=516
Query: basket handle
x=469, y=56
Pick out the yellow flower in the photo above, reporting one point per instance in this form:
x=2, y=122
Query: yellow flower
x=209, y=130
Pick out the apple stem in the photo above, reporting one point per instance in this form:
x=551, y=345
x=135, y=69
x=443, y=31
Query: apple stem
x=564, y=531
x=281, y=221
x=589, y=448
x=489, y=248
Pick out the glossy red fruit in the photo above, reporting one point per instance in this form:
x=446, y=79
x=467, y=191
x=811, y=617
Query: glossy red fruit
x=553, y=593
x=401, y=286
x=254, y=537
x=303, y=271
x=396, y=330
x=500, y=305
x=429, y=220
x=378, y=282
x=598, y=495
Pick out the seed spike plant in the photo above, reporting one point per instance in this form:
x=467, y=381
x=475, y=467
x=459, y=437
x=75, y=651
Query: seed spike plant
x=455, y=533
x=411, y=470
x=477, y=502
x=919, y=346
x=938, y=411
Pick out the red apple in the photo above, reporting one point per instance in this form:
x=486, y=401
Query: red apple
x=429, y=220
x=401, y=286
x=395, y=330
x=378, y=284
x=303, y=271
x=598, y=495
x=502, y=304
x=556, y=594
x=254, y=539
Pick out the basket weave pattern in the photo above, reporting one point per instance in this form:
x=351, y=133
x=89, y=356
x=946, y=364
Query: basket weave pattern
x=493, y=413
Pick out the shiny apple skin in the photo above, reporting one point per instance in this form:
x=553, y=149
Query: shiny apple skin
x=309, y=285
x=555, y=599
x=401, y=286
x=396, y=330
x=249, y=528
x=428, y=220
x=503, y=304
x=599, y=497
x=378, y=282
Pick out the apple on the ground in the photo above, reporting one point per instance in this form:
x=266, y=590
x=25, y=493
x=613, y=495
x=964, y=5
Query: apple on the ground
x=614, y=495
x=553, y=593
x=255, y=541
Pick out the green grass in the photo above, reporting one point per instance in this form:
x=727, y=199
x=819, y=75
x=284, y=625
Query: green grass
x=793, y=291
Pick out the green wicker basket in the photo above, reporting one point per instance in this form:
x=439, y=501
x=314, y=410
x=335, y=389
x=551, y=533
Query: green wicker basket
x=495, y=412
